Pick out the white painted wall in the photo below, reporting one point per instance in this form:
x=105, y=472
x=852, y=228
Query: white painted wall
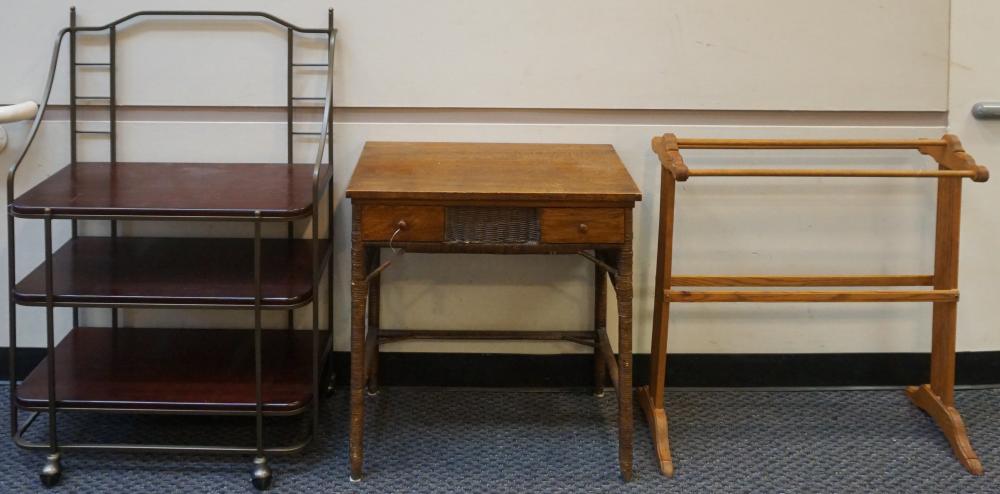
x=975, y=77
x=587, y=72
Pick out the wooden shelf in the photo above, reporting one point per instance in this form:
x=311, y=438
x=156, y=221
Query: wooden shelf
x=196, y=370
x=174, y=271
x=175, y=190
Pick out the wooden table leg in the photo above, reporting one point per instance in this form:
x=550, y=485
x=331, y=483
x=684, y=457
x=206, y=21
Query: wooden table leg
x=938, y=397
x=600, y=325
x=359, y=292
x=374, y=312
x=623, y=290
x=651, y=397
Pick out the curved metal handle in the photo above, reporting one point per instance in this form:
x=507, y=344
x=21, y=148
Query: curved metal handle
x=401, y=226
x=18, y=112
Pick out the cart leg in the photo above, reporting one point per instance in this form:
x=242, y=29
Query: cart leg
x=261, y=473
x=623, y=291
x=600, y=324
x=332, y=374
x=374, y=313
x=11, y=326
x=938, y=397
x=359, y=292
x=52, y=471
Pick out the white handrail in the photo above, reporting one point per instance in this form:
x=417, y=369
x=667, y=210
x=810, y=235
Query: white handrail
x=18, y=112
x=15, y=113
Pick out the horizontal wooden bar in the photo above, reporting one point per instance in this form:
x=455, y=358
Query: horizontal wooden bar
x=825, y=172
x=808, y=143
x=609, y=357
x=848, y=280
x=310, y=65
x=813, y=296
x=473, y=334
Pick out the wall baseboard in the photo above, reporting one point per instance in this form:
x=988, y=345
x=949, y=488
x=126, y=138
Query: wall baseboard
x=684, y=370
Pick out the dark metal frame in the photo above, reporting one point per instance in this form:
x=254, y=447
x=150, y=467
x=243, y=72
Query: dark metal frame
x=321, y=184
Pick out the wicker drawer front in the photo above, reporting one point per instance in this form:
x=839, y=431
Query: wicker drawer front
x=582, y=225
x=490, y=225
x=415, y=223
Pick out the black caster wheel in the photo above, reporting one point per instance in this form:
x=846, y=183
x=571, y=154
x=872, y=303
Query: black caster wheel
x=261, y=475
x=52, y=471
x=328, y=388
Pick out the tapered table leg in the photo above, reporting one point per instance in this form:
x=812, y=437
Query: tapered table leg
x=600, y=325
x=374, y=311
x=359, y=293
x=623, y=290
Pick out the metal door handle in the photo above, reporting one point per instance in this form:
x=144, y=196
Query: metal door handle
x=986, y=110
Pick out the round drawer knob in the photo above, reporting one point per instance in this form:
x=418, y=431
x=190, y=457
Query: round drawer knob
x=583, y=228
x=402, y=225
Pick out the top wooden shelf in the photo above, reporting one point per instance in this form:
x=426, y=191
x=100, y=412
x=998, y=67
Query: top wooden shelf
x=491, y=171
x=174, y=190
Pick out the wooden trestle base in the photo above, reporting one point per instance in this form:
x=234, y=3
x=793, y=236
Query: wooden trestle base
x=656, y=417
x=953, y=164
x=950, y=422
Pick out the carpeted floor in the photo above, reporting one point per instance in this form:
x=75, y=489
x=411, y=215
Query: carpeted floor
x=434, y=440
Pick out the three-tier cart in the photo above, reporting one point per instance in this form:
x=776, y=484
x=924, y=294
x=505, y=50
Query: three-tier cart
x=129, y=370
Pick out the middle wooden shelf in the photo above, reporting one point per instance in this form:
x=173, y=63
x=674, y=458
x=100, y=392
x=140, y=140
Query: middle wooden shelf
x=142, y=271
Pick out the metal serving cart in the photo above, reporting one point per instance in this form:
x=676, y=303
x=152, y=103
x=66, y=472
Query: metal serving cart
x=118, y=370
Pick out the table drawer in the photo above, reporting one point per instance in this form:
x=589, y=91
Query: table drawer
x=582, y=225
x=415, y=223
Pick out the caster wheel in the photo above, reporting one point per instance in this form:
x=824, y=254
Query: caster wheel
x=261, y=475
x=52, y=471
x=327, y=388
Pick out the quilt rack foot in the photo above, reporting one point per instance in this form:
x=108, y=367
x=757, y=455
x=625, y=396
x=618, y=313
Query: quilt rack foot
x=950, y=422
x=657, y=420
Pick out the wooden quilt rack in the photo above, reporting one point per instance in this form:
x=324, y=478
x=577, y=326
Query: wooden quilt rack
x=954, y=164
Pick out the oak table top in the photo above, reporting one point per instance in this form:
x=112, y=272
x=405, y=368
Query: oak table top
x=491, y=171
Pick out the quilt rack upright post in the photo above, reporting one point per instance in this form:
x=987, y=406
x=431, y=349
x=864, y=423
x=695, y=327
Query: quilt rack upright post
x=247, y=372
x=953, y=165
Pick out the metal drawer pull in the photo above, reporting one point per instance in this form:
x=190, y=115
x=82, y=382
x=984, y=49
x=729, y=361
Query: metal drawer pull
x=583, y=228
x=399, y=227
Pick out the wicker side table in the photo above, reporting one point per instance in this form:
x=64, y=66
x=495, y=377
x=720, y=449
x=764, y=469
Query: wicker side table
x=497, y=199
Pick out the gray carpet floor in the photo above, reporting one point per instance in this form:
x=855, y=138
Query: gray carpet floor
x=439, y=440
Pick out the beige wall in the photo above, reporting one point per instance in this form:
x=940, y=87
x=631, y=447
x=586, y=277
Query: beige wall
x=608, y=72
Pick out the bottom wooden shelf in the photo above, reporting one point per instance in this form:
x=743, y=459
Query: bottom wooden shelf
x=189, y=370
